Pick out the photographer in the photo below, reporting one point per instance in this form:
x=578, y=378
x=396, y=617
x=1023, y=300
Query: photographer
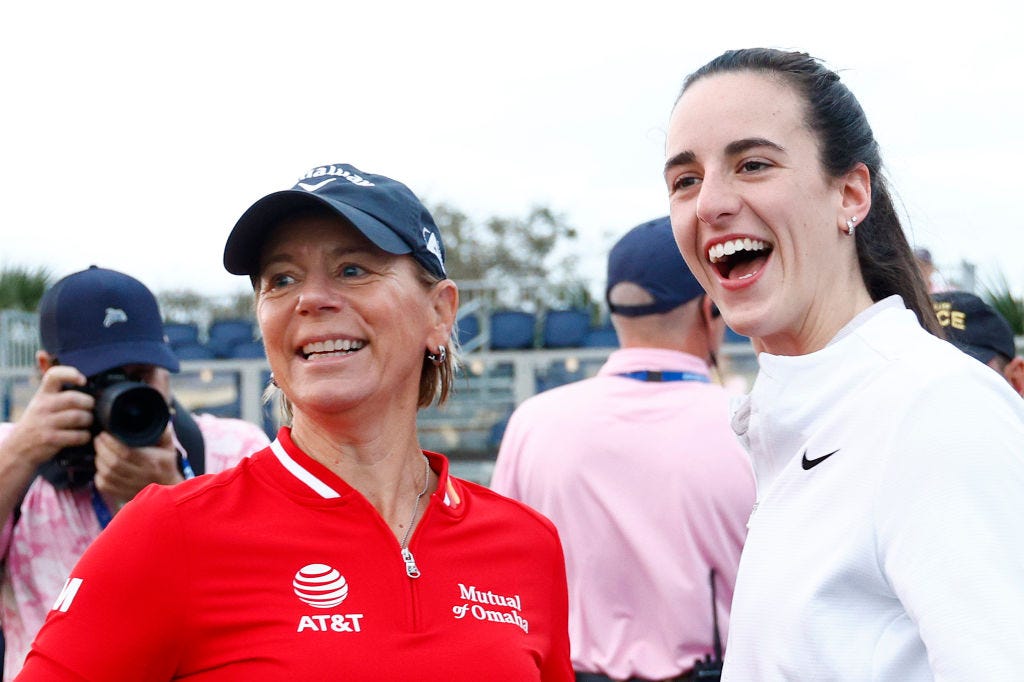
x=63, y=474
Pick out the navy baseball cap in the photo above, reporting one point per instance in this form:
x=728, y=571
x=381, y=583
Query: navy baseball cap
x=974, y=326
x=98, y=319
x=384, y=210
x=647, y=256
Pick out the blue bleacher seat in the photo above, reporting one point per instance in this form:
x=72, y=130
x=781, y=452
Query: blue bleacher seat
x=601, y=337
x=193, y=351
x=512, y=329
x=225, y=334
x=497, y=432
x=557, y=374
x=247, y=349
x=467, y=327
x=179, y=333
x=733, y=337
x=564, y=328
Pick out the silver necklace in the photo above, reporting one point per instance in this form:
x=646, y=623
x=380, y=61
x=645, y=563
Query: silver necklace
x=411, y=569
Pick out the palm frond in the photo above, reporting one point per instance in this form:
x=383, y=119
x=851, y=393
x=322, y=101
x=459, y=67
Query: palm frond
x=999, y=294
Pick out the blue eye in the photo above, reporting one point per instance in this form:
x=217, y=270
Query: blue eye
x=352, y=270
x=277, y=281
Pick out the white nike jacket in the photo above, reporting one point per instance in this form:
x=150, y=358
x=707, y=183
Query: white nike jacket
x=888, y=538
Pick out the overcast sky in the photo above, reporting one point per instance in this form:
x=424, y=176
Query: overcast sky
x=135, y=133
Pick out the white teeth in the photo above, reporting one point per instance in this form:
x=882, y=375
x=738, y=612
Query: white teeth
x=331, y=346
x=716, y=252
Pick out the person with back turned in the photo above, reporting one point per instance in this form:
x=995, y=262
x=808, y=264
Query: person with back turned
x=979, y=330
x=639, y=470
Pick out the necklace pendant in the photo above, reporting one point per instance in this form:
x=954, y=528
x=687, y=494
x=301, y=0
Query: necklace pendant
x=411, y=569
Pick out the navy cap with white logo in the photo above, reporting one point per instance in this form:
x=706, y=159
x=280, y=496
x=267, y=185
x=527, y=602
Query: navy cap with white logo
x=99, y=319
x=384, y=210
x=648, y=257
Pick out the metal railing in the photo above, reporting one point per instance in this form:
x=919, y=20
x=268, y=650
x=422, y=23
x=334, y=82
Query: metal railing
x=489, y=386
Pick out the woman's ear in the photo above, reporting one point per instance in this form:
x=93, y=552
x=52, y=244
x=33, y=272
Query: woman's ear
x=445, y=305
x=856, y=195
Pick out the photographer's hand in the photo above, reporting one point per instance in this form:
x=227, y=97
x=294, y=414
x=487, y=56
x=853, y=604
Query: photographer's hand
x=122, y=471
x=53, y=420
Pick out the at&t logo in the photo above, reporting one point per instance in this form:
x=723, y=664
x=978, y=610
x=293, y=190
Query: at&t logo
x=324, y=587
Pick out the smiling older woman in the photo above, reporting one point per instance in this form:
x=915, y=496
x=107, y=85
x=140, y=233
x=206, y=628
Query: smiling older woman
x=342, y=551
x=886, y=542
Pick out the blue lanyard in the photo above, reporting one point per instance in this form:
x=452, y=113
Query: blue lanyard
x=654, y=375
x=186, y=467
x=103, y=514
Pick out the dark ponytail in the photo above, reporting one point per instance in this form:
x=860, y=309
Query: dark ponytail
x=886, y=260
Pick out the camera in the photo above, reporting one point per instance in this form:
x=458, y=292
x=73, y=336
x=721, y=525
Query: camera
x=131, y=411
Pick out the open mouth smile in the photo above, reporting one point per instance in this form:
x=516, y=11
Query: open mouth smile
x=330, y=348
x=739, y=259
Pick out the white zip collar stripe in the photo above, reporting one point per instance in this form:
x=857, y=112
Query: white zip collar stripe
x=319, y=487
x=322, y=489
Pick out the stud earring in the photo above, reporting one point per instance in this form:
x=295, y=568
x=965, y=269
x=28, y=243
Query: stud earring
x=851, y=225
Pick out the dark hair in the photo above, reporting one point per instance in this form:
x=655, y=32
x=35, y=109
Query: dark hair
x=845, y=138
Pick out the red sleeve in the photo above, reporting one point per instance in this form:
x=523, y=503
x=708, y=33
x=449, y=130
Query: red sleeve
x=42, y=669
x=121, y=613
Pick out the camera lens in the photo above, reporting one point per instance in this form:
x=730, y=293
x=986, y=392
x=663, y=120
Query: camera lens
x=136, y=414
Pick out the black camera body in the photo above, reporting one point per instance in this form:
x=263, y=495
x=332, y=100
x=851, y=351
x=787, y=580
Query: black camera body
x=131, y=411
x=708, y=668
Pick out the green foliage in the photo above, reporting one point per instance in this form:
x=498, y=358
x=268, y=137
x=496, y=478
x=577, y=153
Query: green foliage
x=523, y=263
x=1000, y=296
x=21, y=287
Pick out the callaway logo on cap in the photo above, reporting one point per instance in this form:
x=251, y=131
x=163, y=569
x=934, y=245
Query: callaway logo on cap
x=384, y=210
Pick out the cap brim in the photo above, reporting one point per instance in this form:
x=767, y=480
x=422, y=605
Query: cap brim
x=92, y=361
x=245, y=243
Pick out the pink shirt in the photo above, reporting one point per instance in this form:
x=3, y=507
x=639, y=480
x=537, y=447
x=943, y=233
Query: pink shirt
x=56, y=526
x=649, y=489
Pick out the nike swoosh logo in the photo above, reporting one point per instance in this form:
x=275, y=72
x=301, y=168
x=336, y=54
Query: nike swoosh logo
x=313, y=188
x=811, y=463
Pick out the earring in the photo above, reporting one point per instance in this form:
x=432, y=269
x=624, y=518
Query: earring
x=440, y=357
x=851, y=225
x=273, y=381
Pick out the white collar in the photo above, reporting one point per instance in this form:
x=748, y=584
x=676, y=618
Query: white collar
x=791, y=393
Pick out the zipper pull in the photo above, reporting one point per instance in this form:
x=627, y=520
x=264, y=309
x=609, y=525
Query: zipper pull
x=410, y=564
